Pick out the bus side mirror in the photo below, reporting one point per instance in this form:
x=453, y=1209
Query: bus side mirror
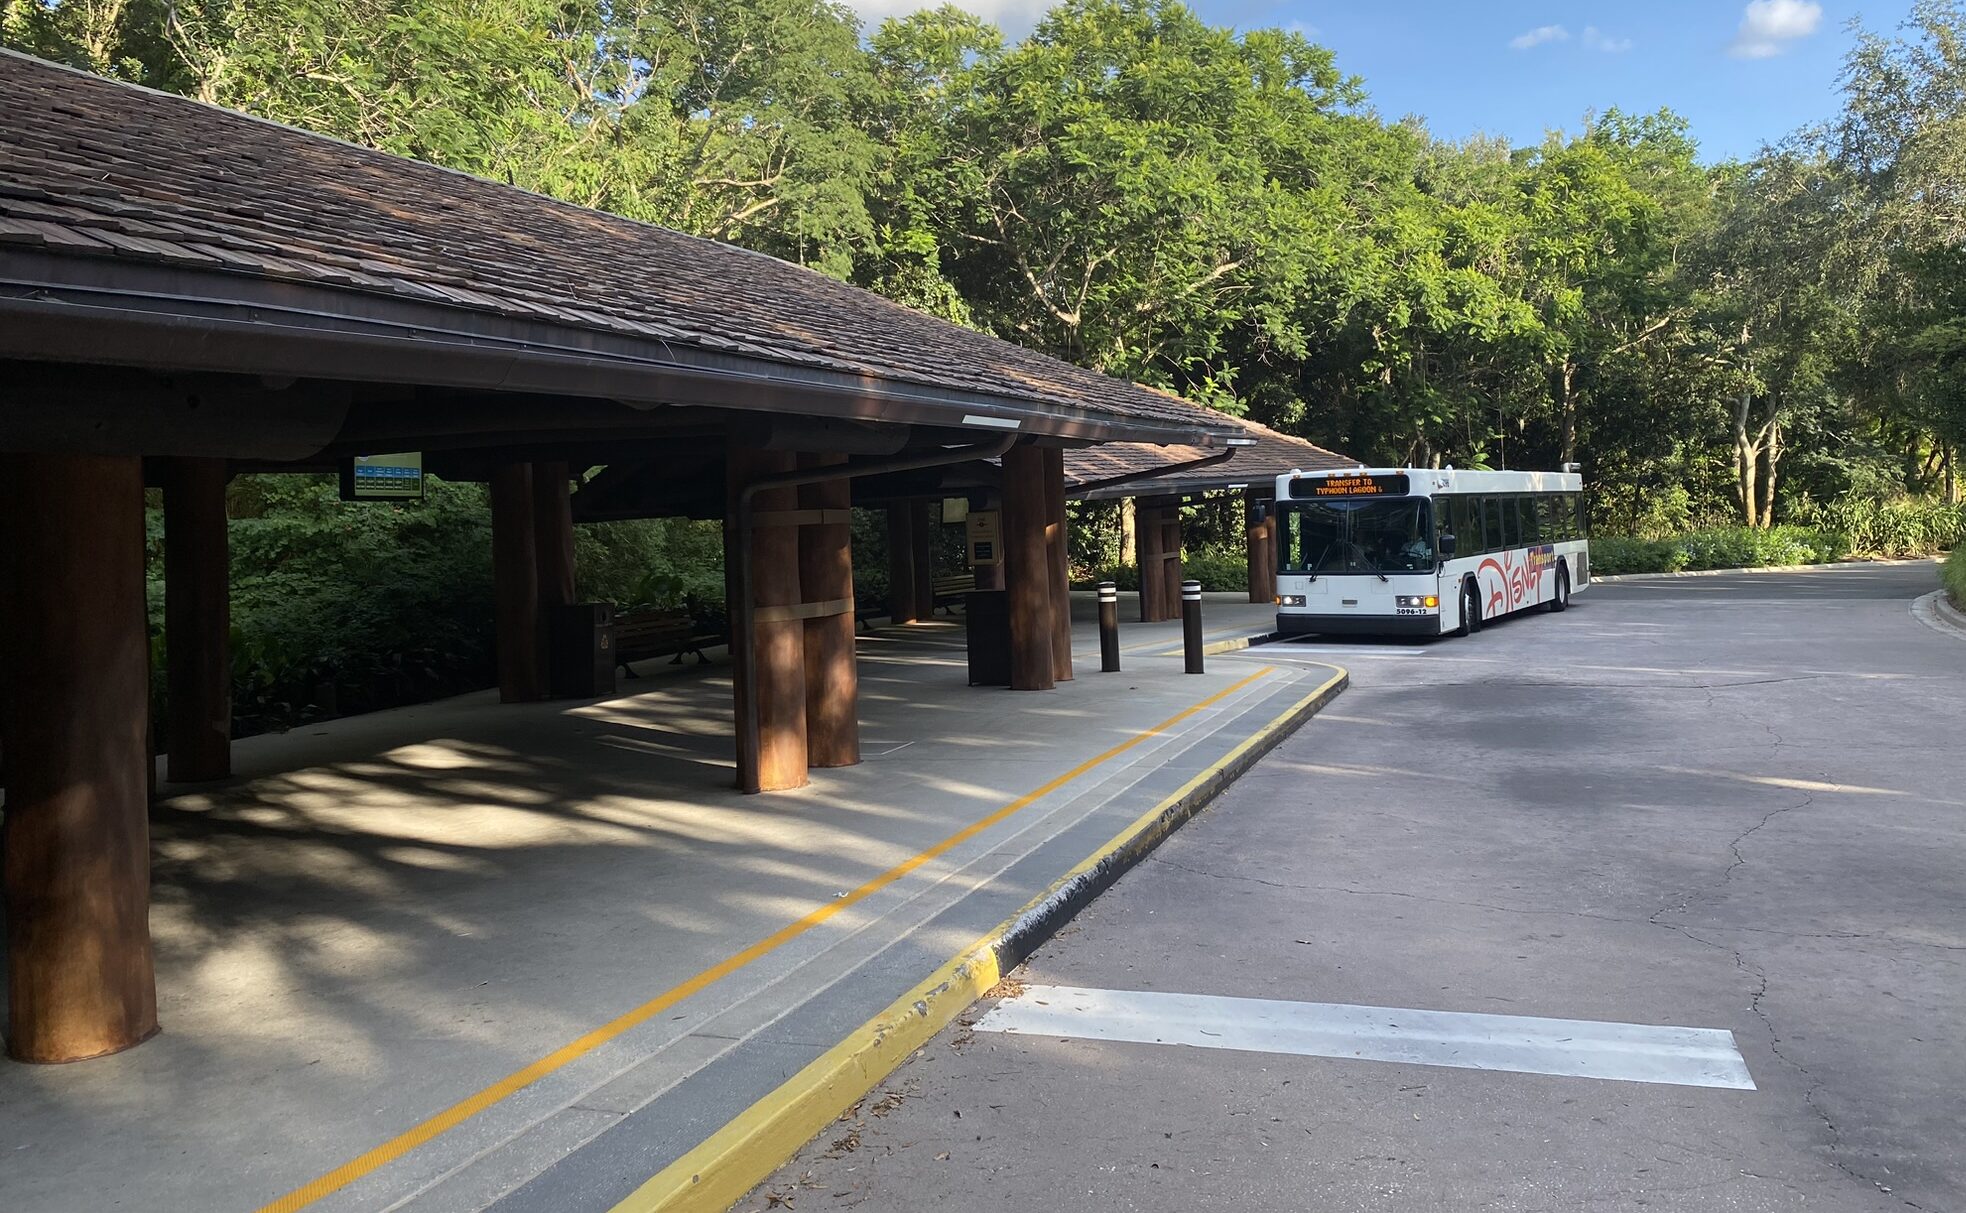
x=1259, y=512
x=1446, y=545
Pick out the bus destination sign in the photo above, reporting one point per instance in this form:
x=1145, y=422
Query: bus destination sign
x=1361, y=485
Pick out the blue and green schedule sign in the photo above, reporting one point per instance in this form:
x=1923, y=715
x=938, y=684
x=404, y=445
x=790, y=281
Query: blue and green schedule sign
x=383, y=477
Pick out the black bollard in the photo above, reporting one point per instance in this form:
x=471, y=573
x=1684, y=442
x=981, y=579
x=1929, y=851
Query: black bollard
x=1109, y=628
x=1191, y=624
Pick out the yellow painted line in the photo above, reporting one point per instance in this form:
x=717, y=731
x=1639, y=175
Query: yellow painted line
x=741, y=1155
x=573, y=1050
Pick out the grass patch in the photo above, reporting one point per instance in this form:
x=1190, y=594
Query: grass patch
x=1952, y=574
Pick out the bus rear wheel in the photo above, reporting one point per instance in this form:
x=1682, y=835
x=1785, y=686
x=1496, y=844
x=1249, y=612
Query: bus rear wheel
x=1470, y=610
x=1561, y=599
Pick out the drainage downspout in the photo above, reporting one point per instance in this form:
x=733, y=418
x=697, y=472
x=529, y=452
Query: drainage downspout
x=741, y=621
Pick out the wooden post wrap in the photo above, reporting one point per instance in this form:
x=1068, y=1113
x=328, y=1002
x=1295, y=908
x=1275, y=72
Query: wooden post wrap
x=901, y=563
x=832, y=681
x=515, y=585
x=74, y=651
x=1027, y=569
x=777, y=754
x=1057, y=544
x=197, y=622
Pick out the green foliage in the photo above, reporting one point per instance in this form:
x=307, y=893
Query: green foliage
x=1733, y=547
x=1216, y=572
x=340, y=607
x=1953, y=575
x=1896, y=528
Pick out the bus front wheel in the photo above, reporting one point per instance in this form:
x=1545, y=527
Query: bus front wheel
x=1470, y=610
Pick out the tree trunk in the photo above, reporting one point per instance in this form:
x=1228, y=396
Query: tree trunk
x=1771, y=456
x=1747, y=458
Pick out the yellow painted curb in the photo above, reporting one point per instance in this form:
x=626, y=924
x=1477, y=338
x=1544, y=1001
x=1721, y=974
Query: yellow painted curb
x=736, y=1158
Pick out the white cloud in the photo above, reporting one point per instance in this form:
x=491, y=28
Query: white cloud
x=1769, y=26
x=1597, y=40
x=1304, y=30
x=1538, y=36
x=1014, y=17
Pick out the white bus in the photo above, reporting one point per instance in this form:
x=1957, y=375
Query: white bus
x=1424, y=551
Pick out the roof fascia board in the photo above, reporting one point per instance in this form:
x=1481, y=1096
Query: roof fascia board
x=103, y=312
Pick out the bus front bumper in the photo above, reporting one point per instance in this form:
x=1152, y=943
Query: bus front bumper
x=1358, y=625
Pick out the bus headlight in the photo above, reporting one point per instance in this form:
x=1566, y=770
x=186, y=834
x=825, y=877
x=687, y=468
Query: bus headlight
x=1290, y=600
x=1425, y=602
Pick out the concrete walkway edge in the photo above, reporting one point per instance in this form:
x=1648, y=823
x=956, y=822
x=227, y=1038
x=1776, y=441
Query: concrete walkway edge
x=1936, y=613
x=736, y=1158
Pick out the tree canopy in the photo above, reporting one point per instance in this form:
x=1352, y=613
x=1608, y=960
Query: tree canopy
x=1217, y=212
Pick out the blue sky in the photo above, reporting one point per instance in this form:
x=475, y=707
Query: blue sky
x=1744, y=73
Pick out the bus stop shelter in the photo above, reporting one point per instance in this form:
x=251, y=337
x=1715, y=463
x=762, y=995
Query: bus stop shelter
x=188, y=293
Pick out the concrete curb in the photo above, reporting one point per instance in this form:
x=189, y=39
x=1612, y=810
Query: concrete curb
x=1239, y=642
x=1772, y=568
x=1935, y=612
x=736, y=1158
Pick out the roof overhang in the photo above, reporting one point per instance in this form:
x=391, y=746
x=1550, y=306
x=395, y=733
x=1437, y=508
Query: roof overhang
x=102, y=312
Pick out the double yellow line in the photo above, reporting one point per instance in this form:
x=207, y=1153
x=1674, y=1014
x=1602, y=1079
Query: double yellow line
x=463, y=1110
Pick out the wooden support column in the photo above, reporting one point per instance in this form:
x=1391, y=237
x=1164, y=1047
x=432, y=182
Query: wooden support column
x=515, y=585
x=1057, y=547
x=553, y=532
x=901, y=563
x=1147, y=558
x=777, y=754
x=1027, y=569
x=74, y=653
x=197, y=622
x=832, y=680
x=1170, y=557
x=1257, y=548
x=927, y=529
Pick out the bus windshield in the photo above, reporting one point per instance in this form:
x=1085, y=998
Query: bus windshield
x=1384, y=535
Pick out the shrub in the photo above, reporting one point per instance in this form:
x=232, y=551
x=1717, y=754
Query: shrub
x=1905, y=526
x=1734, y=547
x=1216, y=572
x=1953, y=575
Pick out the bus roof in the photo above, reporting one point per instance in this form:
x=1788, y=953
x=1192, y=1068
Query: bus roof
x=1427, y=481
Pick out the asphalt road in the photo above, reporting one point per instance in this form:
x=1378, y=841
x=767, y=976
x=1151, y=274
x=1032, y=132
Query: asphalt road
x=1733, y=803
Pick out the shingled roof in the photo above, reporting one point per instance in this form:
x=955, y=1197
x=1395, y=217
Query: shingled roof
x=1273, y=454
x=147, y=229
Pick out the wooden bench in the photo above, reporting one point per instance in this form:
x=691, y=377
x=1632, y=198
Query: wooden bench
x=948, y=591
x=641, y=634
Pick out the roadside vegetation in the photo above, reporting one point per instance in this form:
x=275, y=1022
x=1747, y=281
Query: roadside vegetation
x=1732, y=349
x=1953, y=574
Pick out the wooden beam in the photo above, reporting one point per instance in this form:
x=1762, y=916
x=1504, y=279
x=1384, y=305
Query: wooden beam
x=1057, y=549
x=1258, y=547
x=1027, y=569
x=927, y=528
x=901, y=562
x=76, y=841
x=832, y=679
x=1147, y=534
x=515, y=585
x=553, y=532
x=197, y=622
x=778, y=753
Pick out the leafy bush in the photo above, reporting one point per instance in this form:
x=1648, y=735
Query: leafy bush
x=1214, y=573
x=1735, y=547
x=1953, y=575
x=1905, y=526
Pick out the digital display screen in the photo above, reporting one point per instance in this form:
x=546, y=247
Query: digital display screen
x=1393, y=484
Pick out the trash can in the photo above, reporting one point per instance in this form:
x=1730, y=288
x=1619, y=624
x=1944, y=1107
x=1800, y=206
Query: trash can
x=580, y=650
x=987, y=613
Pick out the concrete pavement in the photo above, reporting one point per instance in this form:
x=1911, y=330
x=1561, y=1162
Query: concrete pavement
x=1726, y=803
x=466, y=955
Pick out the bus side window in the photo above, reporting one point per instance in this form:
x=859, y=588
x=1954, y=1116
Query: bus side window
x=1577, y=512
x=1491, y=523
x=1549, y=521
x=1532, y=532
